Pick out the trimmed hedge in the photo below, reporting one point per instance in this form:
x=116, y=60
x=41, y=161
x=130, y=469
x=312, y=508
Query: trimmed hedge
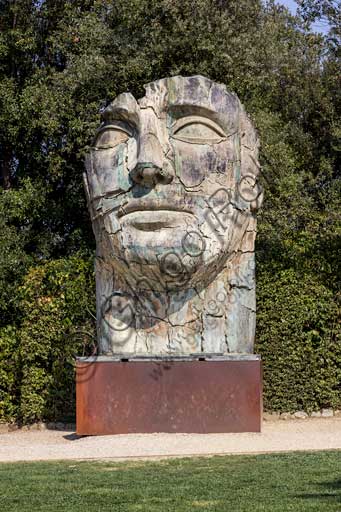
x=37, y=358
x=298, y=336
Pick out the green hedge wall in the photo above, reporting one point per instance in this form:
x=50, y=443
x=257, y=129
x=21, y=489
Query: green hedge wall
x=56, y=306
x=298, y=337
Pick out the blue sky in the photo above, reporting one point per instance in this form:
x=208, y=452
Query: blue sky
x=320, y=26
x=289, y=3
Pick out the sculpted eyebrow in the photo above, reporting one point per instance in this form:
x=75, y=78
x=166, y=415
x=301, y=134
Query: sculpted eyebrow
x=120, y=114
x=183, y=110
x=115, y=124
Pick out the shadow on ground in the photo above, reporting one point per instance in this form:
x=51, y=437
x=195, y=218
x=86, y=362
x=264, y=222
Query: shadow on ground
x=330, y=491
x=73, y=437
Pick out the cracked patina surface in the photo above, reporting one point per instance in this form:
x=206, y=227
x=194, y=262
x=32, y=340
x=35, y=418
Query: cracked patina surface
x=172, y=193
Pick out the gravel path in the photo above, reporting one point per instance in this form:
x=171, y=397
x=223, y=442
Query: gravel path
x=277, y=436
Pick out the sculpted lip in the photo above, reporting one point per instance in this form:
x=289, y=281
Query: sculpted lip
x=152, y=209
x=154, y=220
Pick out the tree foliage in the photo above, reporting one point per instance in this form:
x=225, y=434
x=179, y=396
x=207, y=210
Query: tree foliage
x=61, y=61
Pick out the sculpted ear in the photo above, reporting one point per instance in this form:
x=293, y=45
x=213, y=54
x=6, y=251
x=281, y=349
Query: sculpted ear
x=249, y=160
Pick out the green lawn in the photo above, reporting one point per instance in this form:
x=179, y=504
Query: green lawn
x=295, y=482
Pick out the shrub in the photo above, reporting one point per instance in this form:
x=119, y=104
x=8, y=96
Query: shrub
x=37, y=360
x=298, y=337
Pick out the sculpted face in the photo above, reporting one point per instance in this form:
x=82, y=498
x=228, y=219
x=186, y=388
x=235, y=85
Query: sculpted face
x=171, y=190
x=158, y=167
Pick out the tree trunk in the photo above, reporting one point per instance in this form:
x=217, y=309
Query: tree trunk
x=6, y=168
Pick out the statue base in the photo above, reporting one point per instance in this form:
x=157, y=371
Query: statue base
x=190, y=394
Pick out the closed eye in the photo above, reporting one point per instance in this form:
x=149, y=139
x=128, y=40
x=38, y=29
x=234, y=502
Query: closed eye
x=111, y=136
x=198, y=130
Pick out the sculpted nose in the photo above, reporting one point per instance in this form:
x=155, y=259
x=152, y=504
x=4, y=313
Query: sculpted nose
x=149, y=174
x=151, y=167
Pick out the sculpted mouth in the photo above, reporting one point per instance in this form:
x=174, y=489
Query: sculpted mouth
x=152, y=209
x=156, y=219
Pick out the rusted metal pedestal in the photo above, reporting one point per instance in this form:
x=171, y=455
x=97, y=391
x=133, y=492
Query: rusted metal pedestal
x=140, y=395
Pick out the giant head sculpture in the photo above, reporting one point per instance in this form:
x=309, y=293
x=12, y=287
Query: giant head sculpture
x=172, y=192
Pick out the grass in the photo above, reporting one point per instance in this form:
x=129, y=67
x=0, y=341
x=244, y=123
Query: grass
x=271, y=483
